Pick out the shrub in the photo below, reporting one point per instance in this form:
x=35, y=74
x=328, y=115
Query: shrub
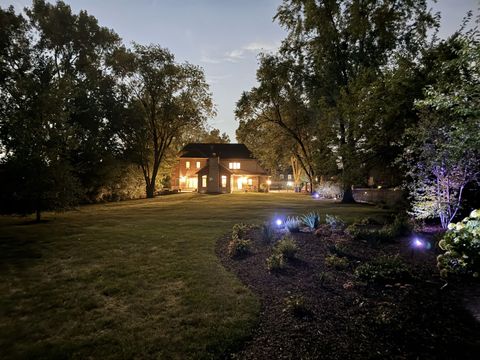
x=335, y=222
x=240, y=230
x=296, y=305
x=238, y=247
x=385, y=269
x=341, y=249
x=275, y=262
x=336, y=262
x=461, y=244
x=400, y=226
x=287, y=247
x=292, y=224
x=311, y=220
x=268, y=232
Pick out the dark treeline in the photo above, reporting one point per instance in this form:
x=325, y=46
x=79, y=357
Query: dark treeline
x=84, y=118
x=363, y=87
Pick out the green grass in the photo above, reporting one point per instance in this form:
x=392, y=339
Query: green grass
x=133, y=279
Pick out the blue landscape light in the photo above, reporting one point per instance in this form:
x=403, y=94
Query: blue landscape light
x=279, y=222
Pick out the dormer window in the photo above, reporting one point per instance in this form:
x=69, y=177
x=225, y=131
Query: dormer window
x=234, y=165
x=198, y=164
x=187, y=164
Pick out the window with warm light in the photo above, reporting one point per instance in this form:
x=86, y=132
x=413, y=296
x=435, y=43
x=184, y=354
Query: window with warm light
x=234, y=165
x=187, y=164
x=250, y=181
x=204, y=181
x=198, y=164
x=281, y=176
x=289, y=177
x=224, y=181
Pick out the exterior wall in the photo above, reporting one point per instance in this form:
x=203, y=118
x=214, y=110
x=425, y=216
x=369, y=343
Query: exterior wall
x=191, y=179
x=378, y=196
x=186, y=179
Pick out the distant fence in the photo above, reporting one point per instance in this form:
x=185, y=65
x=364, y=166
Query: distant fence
x=378, y=196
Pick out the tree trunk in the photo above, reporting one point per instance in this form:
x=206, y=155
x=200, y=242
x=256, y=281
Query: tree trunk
x=348, y=196
x=37, y=215
x=150, y=189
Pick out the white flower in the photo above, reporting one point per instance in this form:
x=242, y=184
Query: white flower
x=475, y=214
x=459, y=226
x=451, y=226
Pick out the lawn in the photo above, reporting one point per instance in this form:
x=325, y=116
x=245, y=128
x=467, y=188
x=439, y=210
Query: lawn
x=133, y=279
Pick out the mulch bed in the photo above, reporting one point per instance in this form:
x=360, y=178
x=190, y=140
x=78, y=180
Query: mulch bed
x=348, y=319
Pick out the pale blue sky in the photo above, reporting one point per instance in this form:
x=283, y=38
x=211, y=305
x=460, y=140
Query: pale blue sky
x=222, y=36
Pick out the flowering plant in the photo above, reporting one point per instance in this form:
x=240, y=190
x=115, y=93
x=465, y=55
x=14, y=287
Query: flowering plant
x=461, y=244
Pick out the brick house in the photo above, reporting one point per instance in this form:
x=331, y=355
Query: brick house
x=217, y=168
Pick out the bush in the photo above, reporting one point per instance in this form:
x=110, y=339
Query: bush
x=292, y=224
x=335, y=222
x=239, y=231
x=461, y=244
x=311, y=220
x=286, y=247
x=385, y=269
x=275, y=262
x=268, y=233
x=336, y=262
x=296, y=305
x=238, y=247
x=401, y=226
x=342, y=250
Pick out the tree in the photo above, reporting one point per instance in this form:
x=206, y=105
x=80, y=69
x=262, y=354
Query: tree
x=345, y=46
x=444, y=151
x=165, y=99
x=35, y=136
x=278, y=104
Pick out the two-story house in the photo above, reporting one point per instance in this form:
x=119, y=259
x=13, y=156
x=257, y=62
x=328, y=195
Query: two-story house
x=218, y=168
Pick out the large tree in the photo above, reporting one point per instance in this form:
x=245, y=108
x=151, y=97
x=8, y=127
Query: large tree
x=278, y=105
x=443, y=155
x=166, y=98
x=346, y=46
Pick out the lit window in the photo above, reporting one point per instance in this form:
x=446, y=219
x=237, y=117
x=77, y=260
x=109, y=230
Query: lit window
x=204, y=181
x=187, y=164
x=198, y=164
x=234, y=165
x=289, y=177
x=250, y=181
x=224, y=181
x=281, y=176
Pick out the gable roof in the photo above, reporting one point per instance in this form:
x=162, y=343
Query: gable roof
x=208, y=150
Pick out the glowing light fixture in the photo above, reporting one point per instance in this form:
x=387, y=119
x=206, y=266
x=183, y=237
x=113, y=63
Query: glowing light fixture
x=289, y=183
x=316, y=195
x=279, y=222
x=269, y=182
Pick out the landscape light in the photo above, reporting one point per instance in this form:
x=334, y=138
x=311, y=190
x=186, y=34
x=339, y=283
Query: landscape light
x=279, y=222
x=316, y=195
x=420, y=244
x=269, y=182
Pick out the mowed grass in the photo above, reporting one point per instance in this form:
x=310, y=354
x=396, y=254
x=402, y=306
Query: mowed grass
x=136, y=279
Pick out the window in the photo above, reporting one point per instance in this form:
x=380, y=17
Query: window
x=224, y=181
x=234, y=165
x=198, y=164
x=204, y=181
x=250, y=181
x=187, y=164
x=281, y=176
x=289, y=177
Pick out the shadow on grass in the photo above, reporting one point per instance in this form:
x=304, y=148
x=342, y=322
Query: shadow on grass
x=15, y=252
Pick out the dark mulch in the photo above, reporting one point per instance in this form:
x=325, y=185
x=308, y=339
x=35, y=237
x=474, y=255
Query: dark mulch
x=347, y=319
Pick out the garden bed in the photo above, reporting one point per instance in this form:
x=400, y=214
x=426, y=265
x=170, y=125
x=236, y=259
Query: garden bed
x=313, y=308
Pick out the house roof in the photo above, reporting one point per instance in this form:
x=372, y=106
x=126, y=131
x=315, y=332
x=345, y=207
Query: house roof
x=208, y=150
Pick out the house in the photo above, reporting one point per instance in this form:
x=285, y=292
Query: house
x=218, y=168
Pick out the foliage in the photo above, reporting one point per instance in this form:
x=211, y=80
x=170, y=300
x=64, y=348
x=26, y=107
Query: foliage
x=461, y=246
x=335, y=222
x=443, y=155
x=268, y=232
x=336, y=262
x=296, y=305
x=342, y=250
x=385, y=269
x=275, y=262
x=292, y=224
x=312, y=219
x=401, y=226
x=287, y=247
x=329, y=190
x=239, y=231
x=239, y=247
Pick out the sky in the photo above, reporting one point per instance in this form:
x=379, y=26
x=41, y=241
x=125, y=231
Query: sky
x=224, y=37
